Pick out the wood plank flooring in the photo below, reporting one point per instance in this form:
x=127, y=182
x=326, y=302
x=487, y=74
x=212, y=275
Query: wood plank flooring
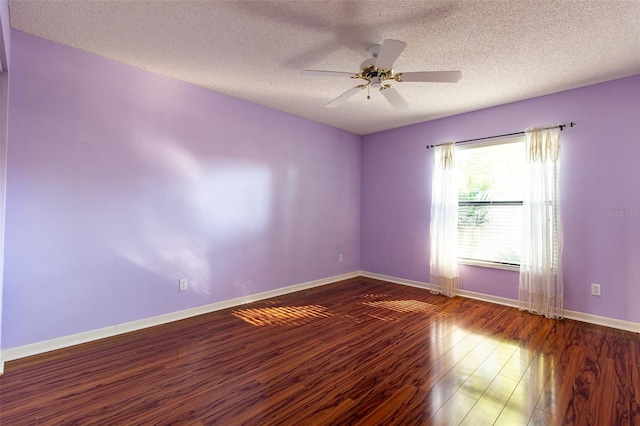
x=357, y=352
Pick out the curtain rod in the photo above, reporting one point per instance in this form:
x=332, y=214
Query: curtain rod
x=559, y=126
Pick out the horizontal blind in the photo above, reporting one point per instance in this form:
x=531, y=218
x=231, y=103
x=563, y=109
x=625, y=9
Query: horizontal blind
x=497, y=240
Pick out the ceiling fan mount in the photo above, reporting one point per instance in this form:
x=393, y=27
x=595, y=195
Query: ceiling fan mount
x=373, y=54
x=379, y=68
x=374, y=50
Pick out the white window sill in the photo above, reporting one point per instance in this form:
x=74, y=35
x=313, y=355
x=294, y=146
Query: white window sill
x=493, y=265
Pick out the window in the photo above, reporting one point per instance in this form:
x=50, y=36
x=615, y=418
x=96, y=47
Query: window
x=490, y=193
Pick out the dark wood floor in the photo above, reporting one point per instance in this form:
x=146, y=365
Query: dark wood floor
x=358, y=352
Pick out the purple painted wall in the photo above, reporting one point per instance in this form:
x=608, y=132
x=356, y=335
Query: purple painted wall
x=600, y=190
x=121, y=182
x=5, y=48
x=4, y=101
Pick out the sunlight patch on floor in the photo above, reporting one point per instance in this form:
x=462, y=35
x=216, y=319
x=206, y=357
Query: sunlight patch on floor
x=282, y=315
x=374, y=295
x=409, y=306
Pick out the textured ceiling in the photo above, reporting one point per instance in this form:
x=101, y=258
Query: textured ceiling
x=255, y=50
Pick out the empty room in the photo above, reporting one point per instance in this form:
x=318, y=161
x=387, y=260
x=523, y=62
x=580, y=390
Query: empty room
x=319, y=212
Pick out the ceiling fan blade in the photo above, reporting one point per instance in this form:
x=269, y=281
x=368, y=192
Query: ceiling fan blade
x=329, y=73
x=346, y=95
x=393, y=96
x=389, y=52
x=430, y=76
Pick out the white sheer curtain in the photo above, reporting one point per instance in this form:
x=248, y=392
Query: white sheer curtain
x=541, y=288
x=444, y=222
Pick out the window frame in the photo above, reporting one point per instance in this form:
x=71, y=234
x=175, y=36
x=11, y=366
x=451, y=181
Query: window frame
x=485, y=263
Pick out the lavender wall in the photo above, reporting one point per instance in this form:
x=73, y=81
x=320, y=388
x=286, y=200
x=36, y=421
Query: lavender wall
x=5, y=42
x=120, y=182
x=4, y=99
x=600, y=191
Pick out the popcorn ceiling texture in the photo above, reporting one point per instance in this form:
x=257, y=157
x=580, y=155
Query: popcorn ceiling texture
x=507, y=50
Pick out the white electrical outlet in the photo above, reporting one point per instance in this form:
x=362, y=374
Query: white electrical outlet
x=183, y=284
x=595, y=289
x=340, y=258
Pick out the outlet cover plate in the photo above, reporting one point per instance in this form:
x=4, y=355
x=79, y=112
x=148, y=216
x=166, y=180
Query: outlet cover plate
x=183, y=284
x=596, y=289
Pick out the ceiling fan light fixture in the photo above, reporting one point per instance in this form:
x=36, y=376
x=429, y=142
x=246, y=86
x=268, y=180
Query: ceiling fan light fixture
x=376, y=82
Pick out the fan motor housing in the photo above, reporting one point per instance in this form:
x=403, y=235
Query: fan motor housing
x=376, y=75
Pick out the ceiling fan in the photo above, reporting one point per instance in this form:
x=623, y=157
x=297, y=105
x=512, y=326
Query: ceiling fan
x=378, y=73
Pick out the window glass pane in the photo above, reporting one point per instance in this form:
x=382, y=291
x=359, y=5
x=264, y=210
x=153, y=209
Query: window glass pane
x=493, y=172
x=490, y=232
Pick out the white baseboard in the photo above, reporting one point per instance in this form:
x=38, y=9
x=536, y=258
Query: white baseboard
x=606, y=321
x=396, y=280
x=573, y=315
x=92, y=335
